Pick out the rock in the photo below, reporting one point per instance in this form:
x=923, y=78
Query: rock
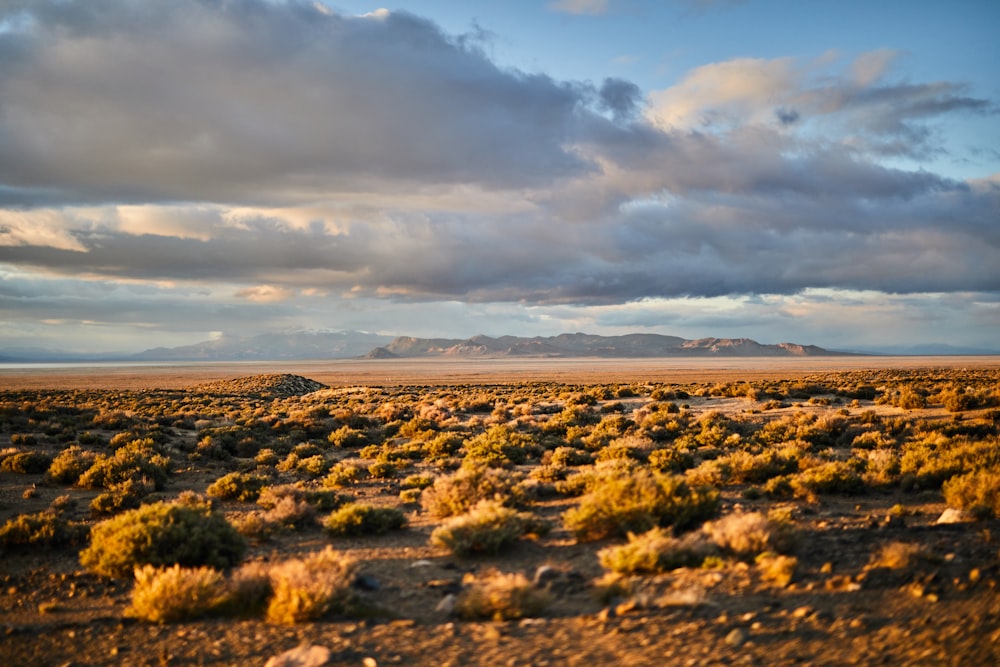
x=302, y=656
x=952, y=515
x=545, y=574
x=736, y=637
x=421, y=563
x=447, y=604
x=365, y=582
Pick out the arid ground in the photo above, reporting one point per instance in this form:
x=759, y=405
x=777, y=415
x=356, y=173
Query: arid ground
x=870, y=481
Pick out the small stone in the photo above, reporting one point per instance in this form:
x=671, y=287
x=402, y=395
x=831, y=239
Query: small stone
x=365, y=582
x=952, y=515
x=736, y=637
x=301, y=656
x=802, y=612
x=545, y=574
x=370, y=662
x=421, y=563
x=447, y=604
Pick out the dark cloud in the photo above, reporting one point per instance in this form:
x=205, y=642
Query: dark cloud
x=622, y=98
x=246, y=100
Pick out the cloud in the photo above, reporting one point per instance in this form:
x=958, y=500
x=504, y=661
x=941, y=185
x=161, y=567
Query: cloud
x=591, y=7
x=257, y=101
x=247, y=164
x=265, y=294
x=860, y=108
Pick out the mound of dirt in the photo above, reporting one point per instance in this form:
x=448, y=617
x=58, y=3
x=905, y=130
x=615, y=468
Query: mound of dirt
x=266, y=386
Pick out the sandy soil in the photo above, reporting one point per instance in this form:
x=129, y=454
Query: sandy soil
x=943, y=610
x=392, y=372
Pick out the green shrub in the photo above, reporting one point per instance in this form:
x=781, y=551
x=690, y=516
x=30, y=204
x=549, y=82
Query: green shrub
x=500, y=446
x=831, y=477
x=69, y=464
x=342, y=474
x=188, y=533
x=135, y=460
x=637, y=502
x=655, y=551
x=347, y=437
x=485, y=529
x=26, y=463
x=382, y=470
x=671, y=459
x=977, y=492
x=43, y=530
x=356, y=519
x=570, y=456
x=123, y=496
x=305, y=589
x=241, y=486
x=459, y=492
x=166, y=595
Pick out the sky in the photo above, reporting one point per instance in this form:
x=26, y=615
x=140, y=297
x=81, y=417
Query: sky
x=821, y=172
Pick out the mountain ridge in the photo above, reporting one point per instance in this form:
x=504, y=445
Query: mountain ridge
x=590, y=345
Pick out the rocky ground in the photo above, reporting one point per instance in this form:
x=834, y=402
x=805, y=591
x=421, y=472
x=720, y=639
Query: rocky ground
x=856, y=598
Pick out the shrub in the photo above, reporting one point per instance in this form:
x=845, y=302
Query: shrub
x=570, y=456
x=831, y=477
x=485, y=529
x=241, y=486
x=655, y=551
x=123, y=496
x=347, y=437
x=69, y=464
x=248, y=590
x=671, y=459
x=749, y=534
x=357, y=519
x=977, y=492
x=43, y=530
x=342, y=474
x=637, y=502
x=500, y=446
x=776, y=568
x=501, y=597
x=26, y=463
x=135, y=460
x=459, y=492
x=322, y=500
x=185, y=533
x=165, y=595
x=305, y=589
x=382, y=470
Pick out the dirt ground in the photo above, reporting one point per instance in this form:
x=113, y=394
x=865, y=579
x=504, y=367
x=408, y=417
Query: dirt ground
x=839, y=609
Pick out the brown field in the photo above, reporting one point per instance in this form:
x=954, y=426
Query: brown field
x=811, y=490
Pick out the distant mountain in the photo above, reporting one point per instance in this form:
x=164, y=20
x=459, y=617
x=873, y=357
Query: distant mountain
x=586, y=345
x=928, y=350
x=272, y=347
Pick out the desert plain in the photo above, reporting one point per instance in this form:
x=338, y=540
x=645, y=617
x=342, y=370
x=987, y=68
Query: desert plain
x=831, y=511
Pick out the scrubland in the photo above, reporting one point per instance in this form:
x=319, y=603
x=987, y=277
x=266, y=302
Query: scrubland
x=826, y=518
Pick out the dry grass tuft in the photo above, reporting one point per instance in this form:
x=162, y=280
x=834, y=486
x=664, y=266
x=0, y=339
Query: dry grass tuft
x=499, y=596
x=165, y=595
x=305, y=589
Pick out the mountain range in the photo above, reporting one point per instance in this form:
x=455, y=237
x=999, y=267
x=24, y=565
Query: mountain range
x=587, y=345
x=299, y=345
